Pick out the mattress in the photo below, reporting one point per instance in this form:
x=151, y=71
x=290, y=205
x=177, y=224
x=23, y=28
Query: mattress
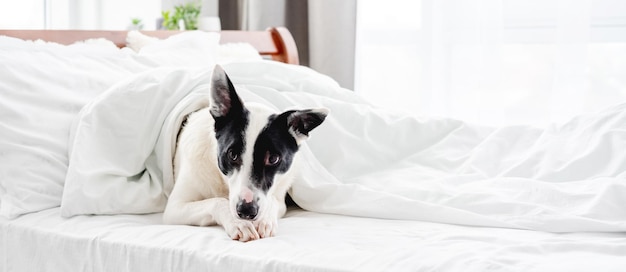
x=306, y=241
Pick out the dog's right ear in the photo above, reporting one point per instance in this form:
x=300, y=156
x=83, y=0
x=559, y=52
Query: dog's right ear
x=224, y=99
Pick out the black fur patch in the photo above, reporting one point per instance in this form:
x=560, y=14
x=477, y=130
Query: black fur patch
x=274, y=140
x=231, y=120
x=231, y=141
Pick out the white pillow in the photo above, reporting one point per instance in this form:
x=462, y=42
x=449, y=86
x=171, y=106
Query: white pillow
x=42, y=88
x=186, y=49
x=191, y=45
x=235, y=52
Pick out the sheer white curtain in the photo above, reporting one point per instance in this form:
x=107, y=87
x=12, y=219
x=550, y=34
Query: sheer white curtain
x=77, y=14
x=492, y=61
x=33, y=14
x=113, y=14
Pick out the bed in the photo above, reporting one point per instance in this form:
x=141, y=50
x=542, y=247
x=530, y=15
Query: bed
x=382, y=190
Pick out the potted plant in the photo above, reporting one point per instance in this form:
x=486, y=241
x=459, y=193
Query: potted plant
x=186, y=13
x=135, y=24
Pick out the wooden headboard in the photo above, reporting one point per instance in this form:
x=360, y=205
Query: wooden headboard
x=275, y=42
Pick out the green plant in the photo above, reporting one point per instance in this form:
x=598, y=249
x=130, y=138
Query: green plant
x=136, y=23
x=188, y=13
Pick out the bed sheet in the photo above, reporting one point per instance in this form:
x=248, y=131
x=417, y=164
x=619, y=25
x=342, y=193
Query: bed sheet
x=306, y=241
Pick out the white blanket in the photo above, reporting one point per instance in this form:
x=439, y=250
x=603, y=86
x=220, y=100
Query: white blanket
x=362, y=161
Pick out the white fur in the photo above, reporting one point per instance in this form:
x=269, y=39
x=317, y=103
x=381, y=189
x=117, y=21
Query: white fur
x=201, y=192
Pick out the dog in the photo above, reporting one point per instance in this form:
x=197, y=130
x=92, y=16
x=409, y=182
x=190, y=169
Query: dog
x=234, y=163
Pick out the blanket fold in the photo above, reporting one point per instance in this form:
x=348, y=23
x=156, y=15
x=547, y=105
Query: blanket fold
x=122, y=144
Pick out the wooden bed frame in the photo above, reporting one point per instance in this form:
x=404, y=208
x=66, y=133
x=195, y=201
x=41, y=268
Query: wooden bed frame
x=275, y=42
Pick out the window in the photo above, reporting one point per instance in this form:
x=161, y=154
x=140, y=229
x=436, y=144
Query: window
x=492, y=62
x=78, y=14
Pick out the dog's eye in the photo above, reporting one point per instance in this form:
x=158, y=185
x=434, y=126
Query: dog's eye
x=232, y=155
x=271, y=159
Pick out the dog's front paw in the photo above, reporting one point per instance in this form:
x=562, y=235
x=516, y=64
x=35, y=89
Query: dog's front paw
x=241, y=230
x=265, y=227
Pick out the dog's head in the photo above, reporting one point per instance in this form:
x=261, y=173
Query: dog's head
x=256, y=146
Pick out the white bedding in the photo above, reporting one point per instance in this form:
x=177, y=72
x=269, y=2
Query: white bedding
x=434, y=177
x=364, y=161
x=43, y=86
x=306, y=241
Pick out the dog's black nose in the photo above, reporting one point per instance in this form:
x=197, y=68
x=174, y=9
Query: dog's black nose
x=247, y=210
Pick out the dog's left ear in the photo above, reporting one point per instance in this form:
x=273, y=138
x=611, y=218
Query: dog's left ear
x=301, y=122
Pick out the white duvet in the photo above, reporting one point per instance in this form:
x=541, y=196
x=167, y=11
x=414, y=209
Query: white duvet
x=363, y=161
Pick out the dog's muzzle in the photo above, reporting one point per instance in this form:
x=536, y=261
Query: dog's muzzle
x=247, y=210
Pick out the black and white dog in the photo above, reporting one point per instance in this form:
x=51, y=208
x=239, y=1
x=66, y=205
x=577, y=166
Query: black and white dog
x=234, y=163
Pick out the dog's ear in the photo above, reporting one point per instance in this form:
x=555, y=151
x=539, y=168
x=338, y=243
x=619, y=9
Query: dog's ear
x=224, y=99
x=301, y=122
